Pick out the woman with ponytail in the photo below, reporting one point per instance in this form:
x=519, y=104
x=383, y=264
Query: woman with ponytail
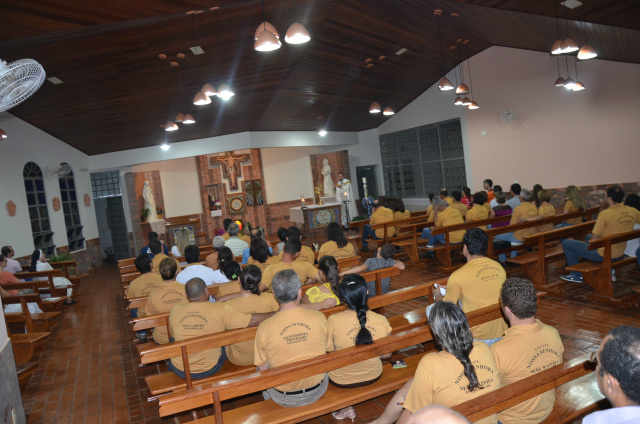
x=325, y=295
x=462, y=371
x=355, y=326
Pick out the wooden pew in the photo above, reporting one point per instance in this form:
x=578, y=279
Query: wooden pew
x=24, y=345
x=549, y=249
x=24, y=372
x=46, y=285
x=577, y=393
x=47, y=304
x=403, y=224
x=65, y=266
x=598, y=274
x=35, y=323
x=139, y=302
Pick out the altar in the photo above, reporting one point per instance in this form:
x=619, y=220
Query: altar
x=314, y=217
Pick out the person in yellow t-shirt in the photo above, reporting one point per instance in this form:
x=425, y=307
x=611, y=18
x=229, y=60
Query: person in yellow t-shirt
x=429, y=212
x=355, y=326
x=457, y=196
x=337, y=246
x=526, y=209
x=142, y=285
x=444, y=195
x=380, y=215
x=325, y=295
x=199, y=317
x=259, y=254
x=399, y=211
x=477, y=211
x=463, y=370
x=293, y=334
x=250, y=301
x=574, y=201
x=617, y=218
x=289, y=254
x=545, y=210
x=477, y=284
x=445, y=215
x=306, y=254
x=155, y=246
x=528, y=347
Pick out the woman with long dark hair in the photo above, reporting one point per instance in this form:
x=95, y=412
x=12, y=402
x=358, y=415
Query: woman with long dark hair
x=337, y=246
x=225, y=255
x=319, y=297
x=367, y=326
x=462, y=371
x=260, y=255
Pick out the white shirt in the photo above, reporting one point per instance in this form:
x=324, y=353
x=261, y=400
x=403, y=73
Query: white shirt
x=13, y=266
x=199, y=271
x=236, y=245
x=514, y=201
x=632, y=245
x=493, y=203
x=219, y=277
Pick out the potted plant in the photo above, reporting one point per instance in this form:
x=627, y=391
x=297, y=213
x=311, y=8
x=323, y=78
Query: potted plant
x=145, y=214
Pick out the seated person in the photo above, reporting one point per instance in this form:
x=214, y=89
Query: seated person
x=182, y=241
x=39, y=263
x=444, y=195
x=250, y=301
x=502, y=209
x=306, y=254
x=380, y=215
x=303, y=269
x=141, y=286
x=496, y=190
x=194, y=268
x=282, y=236
x=367, y=326
x=234, y=243
x=156, y=249
x=445, y=215
x=437, y=414
x=225, y=225
x=526, y=209
x=147, y=249
x=477, y=211
x=272, y=343
x=325, y=295
x=245, y=232
x=384, y=259
x=231, y=288
x=164, y=297
x=200, y=317
x=545, y=210
x=261, y=255
x=462, y=371
x=212, y=260
x=457, y=204
x=337, y=246
x=225, y=255
x=574, y=201
x=255, y=233
x=488, y=186
x=633, y=200
x=467, y=199
x=13, y=266
x=5, y=278
x=399, y=211
x=430, y=207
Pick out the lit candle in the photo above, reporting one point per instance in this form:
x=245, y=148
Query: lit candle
x=346, y=195
x=303, y=204
x=364, y=180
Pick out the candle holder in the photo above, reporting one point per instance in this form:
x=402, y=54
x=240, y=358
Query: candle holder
x=346, y=212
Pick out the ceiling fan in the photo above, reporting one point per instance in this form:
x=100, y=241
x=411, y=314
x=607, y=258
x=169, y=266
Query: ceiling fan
x=18, y=81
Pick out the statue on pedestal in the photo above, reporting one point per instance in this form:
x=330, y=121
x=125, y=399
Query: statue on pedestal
x=149, y=202
x=329, y=189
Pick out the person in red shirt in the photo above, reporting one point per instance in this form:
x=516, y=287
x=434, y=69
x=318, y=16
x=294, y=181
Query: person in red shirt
x=7, y=277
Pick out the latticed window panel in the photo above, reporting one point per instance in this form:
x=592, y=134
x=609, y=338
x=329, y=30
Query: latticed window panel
x=71, y=211
x=455, y=174
x=429, y=144
x=407, y=147
x=389, y=149
x=37, y=204
x=105, y=184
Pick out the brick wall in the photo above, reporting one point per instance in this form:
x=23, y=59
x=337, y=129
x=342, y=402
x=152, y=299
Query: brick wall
x=87, y=259
x=338, y=161
x=595, y=195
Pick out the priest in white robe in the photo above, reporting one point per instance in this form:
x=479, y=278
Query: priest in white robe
x=344, y=192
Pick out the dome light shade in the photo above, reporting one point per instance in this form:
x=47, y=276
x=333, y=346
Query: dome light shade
x=466, y=101
x=587, y=52
x=578, y=86
x=266, y=42
x=3, y=134
x=559, y=82
x=375, y=108
x=188, y=119
x=179, y=118
x=462, y=89
x=171, y=126
x=556, y=48
x=569, y=84
x=458, y=101
x=201, y=99
x=297, y=34
x=568, y=45
x=266, y=25
x=225, y=92
x=209, y=90
x=388, y=111
x=474, y=105
x=445, y=84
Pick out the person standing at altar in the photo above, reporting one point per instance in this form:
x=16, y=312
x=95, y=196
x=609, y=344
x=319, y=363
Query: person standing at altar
x=344, y=192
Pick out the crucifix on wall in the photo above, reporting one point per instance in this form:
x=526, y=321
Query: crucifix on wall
x=231, y=167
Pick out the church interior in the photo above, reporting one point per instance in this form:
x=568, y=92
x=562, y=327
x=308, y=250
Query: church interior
x=120, y=139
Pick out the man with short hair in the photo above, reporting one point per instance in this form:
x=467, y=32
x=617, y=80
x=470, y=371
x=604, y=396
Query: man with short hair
x=246, y=253
x=194, y=269
x=618, y=374
x=444, y=195
x=147, y=249
x=293, y=334
x=494, y=202
x=457, y=196
x=528, y=347
x=164, y=297
x=225, y=225
x=514, y=201
x=234, y=242
x=306, y=254
x=212, y=260
x=526, y=210
x=290, y=253
x=142, y=286
x=617, y=218
x=477, y=284
x=488, y=187
x=13, y=266
x=444, y=216
x=380, y=215
x=155, y=246
x=200, y=317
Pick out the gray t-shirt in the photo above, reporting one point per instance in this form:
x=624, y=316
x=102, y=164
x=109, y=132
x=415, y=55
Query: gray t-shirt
x=374, y=264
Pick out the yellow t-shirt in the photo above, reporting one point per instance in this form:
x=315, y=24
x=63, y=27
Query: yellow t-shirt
x=225, y=236
x=487, y=206
x=242, y=353
x=228, y=288
x=199, y=319
x=477, y=285
x=291, y=336
x=303, y=269
x=430, y=213
x=331, y=248
x=460, y=207
x=569, y=206
x=449, y=200
x=246, y=239
x=142, y=285
x=343, y=329
x=476, y=213
x=616, y=219
x=270, y=261
x=380, y=216
x=523, y=351
x=306, y=255
x=401, y=215
x=155, y=263
x=451, y=216
x=523, y=210
x=546, y=211
x=316, y=295
x=440, y=380
x=162, y=299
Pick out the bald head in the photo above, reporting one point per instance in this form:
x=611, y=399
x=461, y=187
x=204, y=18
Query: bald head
x=437, y=414
x=196, y=290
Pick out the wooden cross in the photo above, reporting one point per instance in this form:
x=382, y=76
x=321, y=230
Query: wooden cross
x=231, y=166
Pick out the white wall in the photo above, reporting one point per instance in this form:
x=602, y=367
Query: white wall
x=287, y=173
x=25, y=143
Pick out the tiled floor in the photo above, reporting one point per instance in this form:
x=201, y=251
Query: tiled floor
x=88, y=372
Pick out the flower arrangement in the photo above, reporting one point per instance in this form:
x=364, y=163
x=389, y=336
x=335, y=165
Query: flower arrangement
x=218, y=232
x=160, y=211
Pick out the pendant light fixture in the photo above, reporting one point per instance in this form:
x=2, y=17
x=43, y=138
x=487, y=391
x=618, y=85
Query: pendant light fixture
x=568, y=45
x=568, y=83
x=179, y=117
x=225, y=92
x=3, y=134
x=462, y=88
x=578, y=86
x=444, y=84
x=188, y=119
x=297, y=33
x=170, y=125
x=267, y=38
x=209, y=90
x=388, y=111
x=473, y=104
x=374, y=108
x=556, y=48
x=560, y=81
x=586, y=52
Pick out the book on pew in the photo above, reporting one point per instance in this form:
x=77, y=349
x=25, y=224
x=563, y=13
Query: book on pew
x=51, y=299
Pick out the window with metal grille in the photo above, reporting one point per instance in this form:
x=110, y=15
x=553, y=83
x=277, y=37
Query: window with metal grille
x=37, y=204
x=71, y=211
x=105, y=184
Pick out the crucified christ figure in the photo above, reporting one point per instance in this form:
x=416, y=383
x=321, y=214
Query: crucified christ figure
x=231, y=166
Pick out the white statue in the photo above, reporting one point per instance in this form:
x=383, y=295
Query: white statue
x=149, y=203
x=344, y=192
x=329, y=190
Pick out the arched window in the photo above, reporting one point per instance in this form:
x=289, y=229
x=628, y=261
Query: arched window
x=38, y=212
x=70, y=207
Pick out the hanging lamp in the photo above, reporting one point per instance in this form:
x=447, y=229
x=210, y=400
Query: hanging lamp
x=201, y=99
x=3, y=134
x=587, y=52
x=578, y=85
x=179, y=117
x=209, y=90
x=388, y=111
x=568, y=83
x=444, y=84
x=171, y=126
x=266, y=36
x=297, y=34
x=462, y=88
x=466, y=101
x=458, y=101
x=375, y=107
x=188, y=119
x=225, y=92
x=559, y=81
x=569, y=46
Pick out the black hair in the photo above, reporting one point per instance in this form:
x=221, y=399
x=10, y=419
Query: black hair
x=225, y=255
x=399, y=205
x=616, y=194
x=35, y=257
x=293, y=233
x=143, y=263
x=387, y=251
x=231, y=270
x=489, y=182
x=256, y=233
x=155, y=246
x=467, y=192
x=620, y=357
x=516, y=188
x=282, y=234
x=632, y=200
x=451, y=328
x=250, y=278
x=519, y=295
x=168, y=268
x=152, y=236
x=292, y=246
x=329, y=267
x=226, y=223
x=353, y=292
x=476, y=240
x=431, y=196
x=2, y=258
x=457, y=195
x=335, y=233
x=192, y=253
x=6, y=251
x=478, y=198
x=444, y=192
x=497, y=188
x=536, y=189
x=259, y=250
x=195, y=288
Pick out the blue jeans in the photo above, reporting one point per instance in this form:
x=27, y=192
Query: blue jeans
x=366, y=233
x=502, y=258
x=438, y=238
x=203, y=374
x=576, y=249
x=134, y=314
x=562, y=225
x=638, y=255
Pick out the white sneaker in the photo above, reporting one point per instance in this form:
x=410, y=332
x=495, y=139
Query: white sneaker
x=613, y=275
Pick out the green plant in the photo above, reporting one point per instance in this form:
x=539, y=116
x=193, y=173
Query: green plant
x=63, y=257
x=358, y=218
x=145, y=214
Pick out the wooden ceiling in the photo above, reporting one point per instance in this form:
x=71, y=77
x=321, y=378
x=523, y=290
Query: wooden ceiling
x=116, y=92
